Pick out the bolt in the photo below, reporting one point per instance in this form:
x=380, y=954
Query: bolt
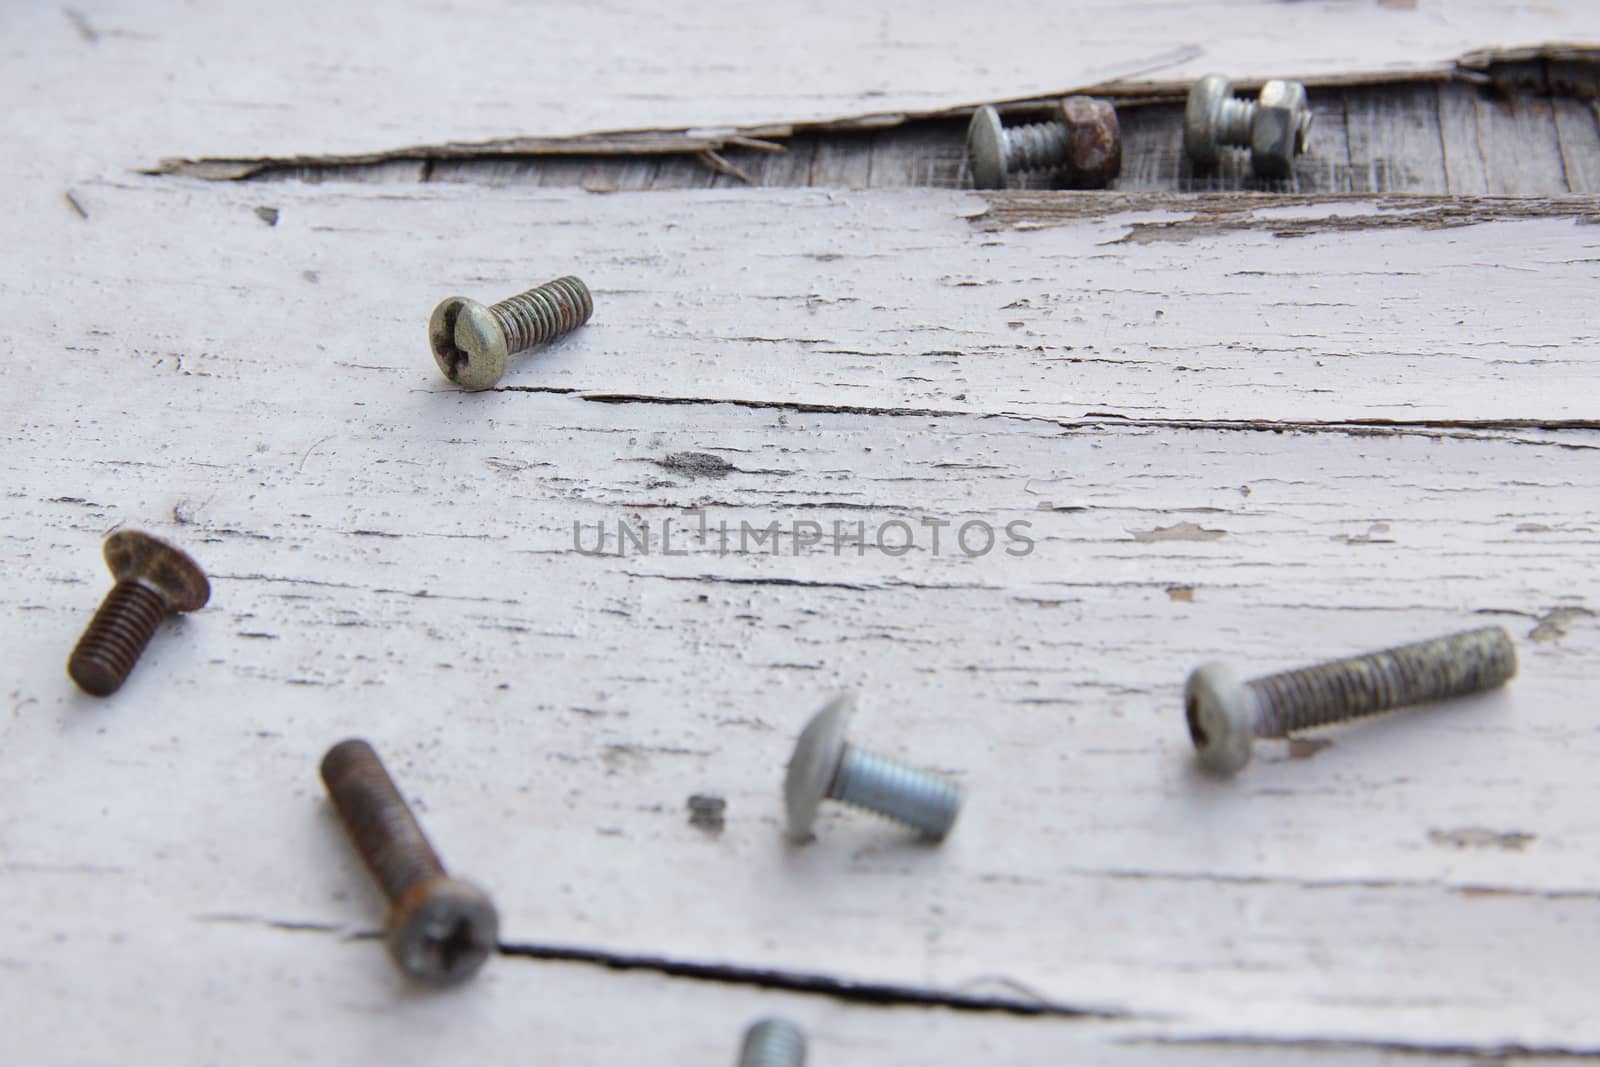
x=773, y=1043
x=1275, y=127
x=471, y=342
x=1084, y=142
x=154, y=580
x=439, y=930
x=824, y=766
x=1225, y=716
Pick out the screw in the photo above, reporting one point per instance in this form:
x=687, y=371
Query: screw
x=773, y=1043
x=1085, y=142
x=1275, y=127
x=439, y=930
x=154, y=580
x=1225, y=716
x=824, y=766
x=471, y=342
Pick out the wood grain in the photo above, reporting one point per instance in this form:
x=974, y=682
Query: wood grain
x=1276, y=310
x=1368, y=449
x=320, y=79
x=1389, y=138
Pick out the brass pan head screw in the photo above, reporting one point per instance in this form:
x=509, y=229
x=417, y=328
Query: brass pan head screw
x=773, y=1043
x=154, y=580
x=439, y=930
x=471, y=342
x=1083, y=142
x=1225, y=715
x=825, y=767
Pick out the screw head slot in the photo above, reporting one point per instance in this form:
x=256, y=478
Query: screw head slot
x=442, y=931
x=468, y=344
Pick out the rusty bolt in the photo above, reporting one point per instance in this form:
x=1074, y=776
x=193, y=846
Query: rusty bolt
x=1083, y=142
x=471, y=342
x=1275, y=126
x=1226, y=716
x=439, y=930
x=154, y=580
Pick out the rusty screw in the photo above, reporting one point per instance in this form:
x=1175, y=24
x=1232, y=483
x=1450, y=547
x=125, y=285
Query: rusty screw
x=154, y=580
x=1226, y=716
x=1084, y=142
x=471, y=342
x=1275, y=126
x=825, y=767
x=439, y=930
x=773, y=1043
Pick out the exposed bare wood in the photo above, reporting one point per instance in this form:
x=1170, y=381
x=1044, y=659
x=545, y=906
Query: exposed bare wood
x=321, y=81
x=1381, y=139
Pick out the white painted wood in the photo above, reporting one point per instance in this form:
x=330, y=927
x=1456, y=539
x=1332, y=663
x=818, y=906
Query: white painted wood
x=1142, y=308
x=310, y=78
x=334, y=1001
x=394, y=558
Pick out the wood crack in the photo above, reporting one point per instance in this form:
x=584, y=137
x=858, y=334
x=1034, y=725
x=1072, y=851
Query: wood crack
x=883, y=994
x=1462, y=429
x=1494, y=67
x=1499, y=1053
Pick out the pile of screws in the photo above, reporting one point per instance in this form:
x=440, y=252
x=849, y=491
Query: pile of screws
x=1081, y=140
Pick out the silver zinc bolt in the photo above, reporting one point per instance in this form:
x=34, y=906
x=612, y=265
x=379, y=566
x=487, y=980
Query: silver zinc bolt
x=439, y=930
x=1083, y=142
x=1275, y=127
x=773, y=1043
x=471, y=342
x=1226, y=716
x=825, y=767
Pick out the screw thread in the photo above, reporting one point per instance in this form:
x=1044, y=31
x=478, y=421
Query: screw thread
x=891, y=789
x=1234, y=119
x=1444, y=667
x=1036, y=146
x=544, y=313
x=378, y=819
x=773, y=1043
x=118, y=633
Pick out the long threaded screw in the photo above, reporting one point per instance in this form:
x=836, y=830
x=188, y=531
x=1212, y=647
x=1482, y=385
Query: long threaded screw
x=471, y=342
x=439, y=930
x=1225, y=716
x=1085, y=142
x=773, y=1043
x=154, y=580
x=825, y=767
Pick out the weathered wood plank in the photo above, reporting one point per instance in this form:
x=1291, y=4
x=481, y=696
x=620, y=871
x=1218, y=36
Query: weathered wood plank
x=1460, y=130
x=395, y=558
x=1577, y=125
x=321, y=78
x=1395, y=143
x=333, y=1000
x=1278, y=310
x=552, y=711
x=1521, y=148
x=1366, y=139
